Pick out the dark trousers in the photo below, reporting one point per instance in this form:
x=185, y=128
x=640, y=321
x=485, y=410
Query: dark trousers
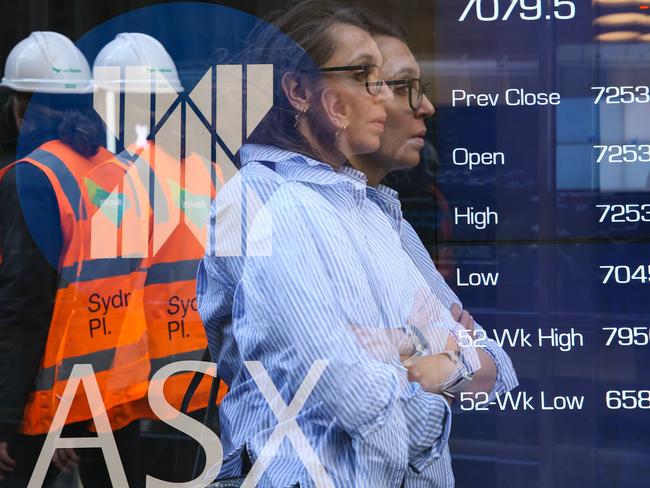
x=171, y=455
x=25, y=450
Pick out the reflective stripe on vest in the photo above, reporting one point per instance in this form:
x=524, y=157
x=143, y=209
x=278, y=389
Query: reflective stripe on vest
x=97, y=269
x=164, y=273
x=66, y=179
x=101, y=361
x=158, y=363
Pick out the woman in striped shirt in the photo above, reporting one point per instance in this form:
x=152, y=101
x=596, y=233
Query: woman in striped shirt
x=401, y=144
x=312, y=306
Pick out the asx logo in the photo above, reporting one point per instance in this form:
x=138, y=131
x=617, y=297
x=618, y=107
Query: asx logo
x=178, y=149
x=286, y=428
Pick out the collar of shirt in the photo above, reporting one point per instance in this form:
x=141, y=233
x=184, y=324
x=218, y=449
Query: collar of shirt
x=294, y=166
x=388, y=201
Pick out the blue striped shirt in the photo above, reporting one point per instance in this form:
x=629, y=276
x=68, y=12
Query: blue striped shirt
x=306, y=263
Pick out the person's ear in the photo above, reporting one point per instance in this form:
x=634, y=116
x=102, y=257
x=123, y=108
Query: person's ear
x=297, y=91
x=18, y=110
x=336, y=110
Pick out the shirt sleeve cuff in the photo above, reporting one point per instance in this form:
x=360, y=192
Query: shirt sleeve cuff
x=428, y=418
x=506, y=378
x=365, y=413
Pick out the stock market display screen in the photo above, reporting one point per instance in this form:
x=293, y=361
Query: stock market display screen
x=534, y=201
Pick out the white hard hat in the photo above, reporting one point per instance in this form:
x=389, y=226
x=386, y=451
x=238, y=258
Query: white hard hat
x=47, y=62
x=137, y=55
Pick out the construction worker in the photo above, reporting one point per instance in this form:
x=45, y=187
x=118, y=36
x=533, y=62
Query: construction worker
x=59, y=305
x=176, y=202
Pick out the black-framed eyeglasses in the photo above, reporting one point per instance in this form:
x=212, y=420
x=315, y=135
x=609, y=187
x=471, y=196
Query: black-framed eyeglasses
x=416, y=90
x=371, y=73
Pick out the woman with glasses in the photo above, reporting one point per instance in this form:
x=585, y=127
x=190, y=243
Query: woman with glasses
x=401, y=143
x=310, y=303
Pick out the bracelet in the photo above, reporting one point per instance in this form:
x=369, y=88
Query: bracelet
x=418, y=342
x=453, y=355
x=465, y=376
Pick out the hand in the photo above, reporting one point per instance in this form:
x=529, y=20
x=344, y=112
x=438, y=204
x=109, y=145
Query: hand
x=431, y=371
x=7, y=464
x=65, y=459
x=463, y=318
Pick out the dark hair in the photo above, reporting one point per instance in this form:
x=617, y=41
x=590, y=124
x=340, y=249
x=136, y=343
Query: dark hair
x=307, y=45
x=82, y=131
x=69, y=118
x=379, y=26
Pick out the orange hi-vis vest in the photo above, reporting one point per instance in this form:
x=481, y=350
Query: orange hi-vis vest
x=93, y=321
x=180, y=203
x=175, y=329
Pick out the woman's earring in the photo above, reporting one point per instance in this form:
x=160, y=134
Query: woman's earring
x=298, y=117
x=337, y=134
